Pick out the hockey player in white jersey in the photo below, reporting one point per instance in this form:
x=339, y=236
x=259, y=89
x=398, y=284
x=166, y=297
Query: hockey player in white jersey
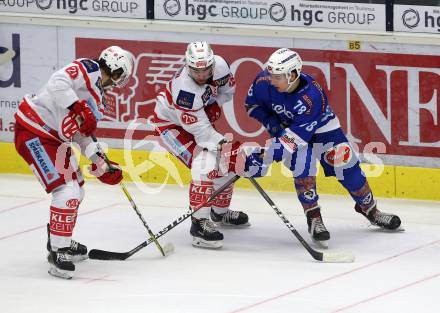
x=184, y=115
x=66, y=110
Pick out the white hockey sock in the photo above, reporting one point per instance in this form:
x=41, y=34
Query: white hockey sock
x=63, y=211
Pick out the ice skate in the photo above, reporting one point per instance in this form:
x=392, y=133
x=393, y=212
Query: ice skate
x=383, y=220
x=316, y=227
x=77, y=251
x=205, y=234
x=233, y=219
x=60, y=263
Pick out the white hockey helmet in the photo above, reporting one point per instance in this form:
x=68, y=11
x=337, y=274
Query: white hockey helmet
x=120, y=62
x=284, y=61
x=199, y=55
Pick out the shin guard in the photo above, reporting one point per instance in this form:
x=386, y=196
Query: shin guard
x=306, y=191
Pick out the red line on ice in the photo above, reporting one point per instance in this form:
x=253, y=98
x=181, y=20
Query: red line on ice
x=250, y=306
x=387, y=293
x=44, y=226
x=22, y=205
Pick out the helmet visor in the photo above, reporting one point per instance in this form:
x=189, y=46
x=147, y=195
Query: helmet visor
x=201, y=75
x=119, y=78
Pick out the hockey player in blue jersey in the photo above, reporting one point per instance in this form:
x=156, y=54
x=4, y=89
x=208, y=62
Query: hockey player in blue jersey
x=294, y=109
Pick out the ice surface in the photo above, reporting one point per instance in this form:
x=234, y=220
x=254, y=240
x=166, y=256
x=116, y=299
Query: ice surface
x=260, y=269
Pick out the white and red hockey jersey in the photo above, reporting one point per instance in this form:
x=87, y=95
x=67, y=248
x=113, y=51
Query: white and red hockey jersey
x=182, y=103
x=46, y=113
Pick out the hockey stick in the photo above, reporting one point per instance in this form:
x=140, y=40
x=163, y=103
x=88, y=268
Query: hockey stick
x=108, y=255
x=165, y=250
x=333, y=257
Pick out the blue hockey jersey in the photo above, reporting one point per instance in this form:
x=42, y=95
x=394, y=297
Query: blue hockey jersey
x=303, y=111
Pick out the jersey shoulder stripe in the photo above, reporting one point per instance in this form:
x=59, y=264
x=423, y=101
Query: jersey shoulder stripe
x=86, y=76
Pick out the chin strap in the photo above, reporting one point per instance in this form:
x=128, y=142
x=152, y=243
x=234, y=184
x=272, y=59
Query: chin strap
x=291, y=85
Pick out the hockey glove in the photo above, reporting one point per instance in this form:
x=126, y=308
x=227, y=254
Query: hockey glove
x=291, y=141
x=273, y=126
x=110, y=175
x=252, y=164
x=213, y=111
x=83, y=115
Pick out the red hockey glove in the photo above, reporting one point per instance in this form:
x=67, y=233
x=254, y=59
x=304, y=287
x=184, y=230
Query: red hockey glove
x=213, y=111
x=110, y=175
x=83, y=115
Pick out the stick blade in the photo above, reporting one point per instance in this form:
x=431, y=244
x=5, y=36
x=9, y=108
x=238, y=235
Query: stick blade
x=337, y=257
x=96, y=254
x=168, y=249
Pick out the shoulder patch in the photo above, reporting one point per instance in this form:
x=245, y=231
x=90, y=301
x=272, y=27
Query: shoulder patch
x=72, y=71
x=309, y=103
x=209, y=91
x=185, y=99
x=317, y=85
x=90, y=65
x=222, y=81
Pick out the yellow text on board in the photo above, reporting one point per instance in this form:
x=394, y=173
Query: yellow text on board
x=354, y=45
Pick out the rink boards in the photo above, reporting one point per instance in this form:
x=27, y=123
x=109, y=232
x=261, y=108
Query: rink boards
x=384, y=90
x=161, y=168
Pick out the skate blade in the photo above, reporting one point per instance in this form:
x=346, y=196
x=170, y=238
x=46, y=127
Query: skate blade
x=200, y=243
x=79, y=258
x=397, y=230
x=223, y=225
x=323, y=244
x=384, y=230
x=60, y=273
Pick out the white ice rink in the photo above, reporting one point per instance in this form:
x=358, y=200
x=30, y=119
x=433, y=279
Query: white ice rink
x=261, y=269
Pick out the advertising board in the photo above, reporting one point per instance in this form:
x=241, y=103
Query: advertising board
x=419, y=19
x=383, y=100
x=27, y=58
x=343, y=15
x=105, y=8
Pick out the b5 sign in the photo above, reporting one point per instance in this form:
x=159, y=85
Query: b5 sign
x=379, y=97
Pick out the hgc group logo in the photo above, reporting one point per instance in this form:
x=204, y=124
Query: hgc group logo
x=411, y=18
x=277, y=12
x=113, y=8
x=172, y=7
